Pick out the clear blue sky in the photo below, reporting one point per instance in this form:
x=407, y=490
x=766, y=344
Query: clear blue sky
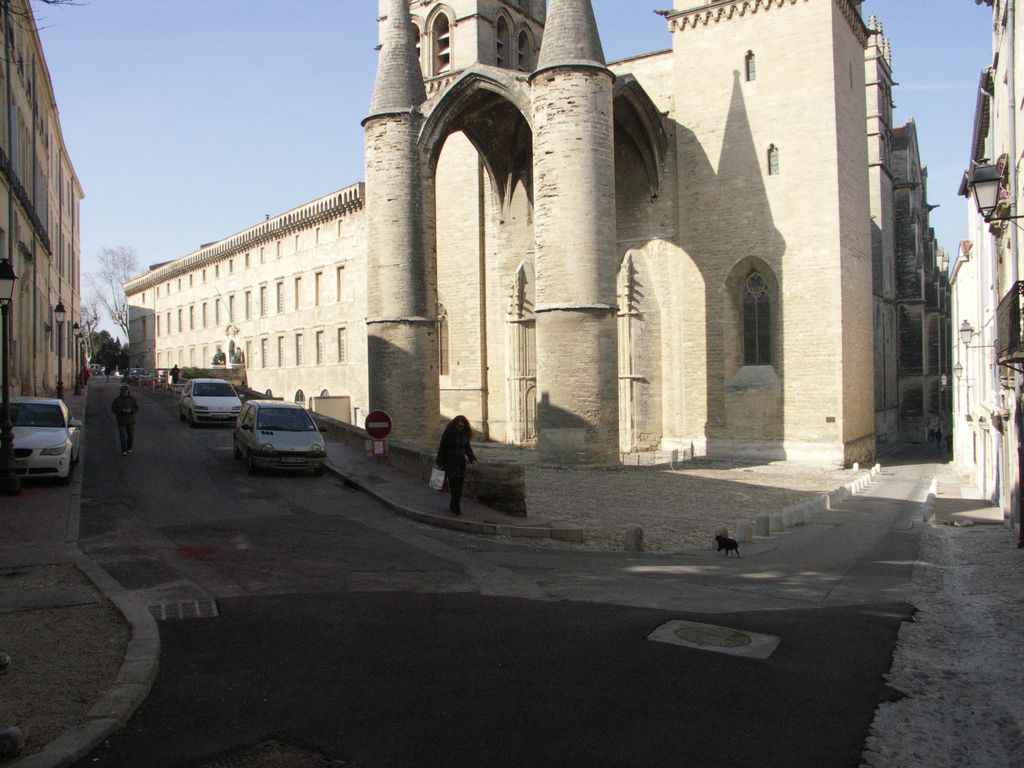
x=188, y=120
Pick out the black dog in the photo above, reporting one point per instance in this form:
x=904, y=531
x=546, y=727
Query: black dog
x=729, y=545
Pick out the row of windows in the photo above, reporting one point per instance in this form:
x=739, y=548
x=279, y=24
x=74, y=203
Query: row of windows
x=512, y=51
x=247, y=261
x=287, y=352
x=262, y=306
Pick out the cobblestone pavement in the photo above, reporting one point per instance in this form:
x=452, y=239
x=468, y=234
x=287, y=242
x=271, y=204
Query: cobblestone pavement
x=678, y=509
x=959, y=662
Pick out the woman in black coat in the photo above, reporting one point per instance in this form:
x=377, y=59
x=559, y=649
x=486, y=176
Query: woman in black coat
x=452, y=455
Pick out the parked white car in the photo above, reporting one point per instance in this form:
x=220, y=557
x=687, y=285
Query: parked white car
x=46, y=438
x=208, y=400
x=271, y=434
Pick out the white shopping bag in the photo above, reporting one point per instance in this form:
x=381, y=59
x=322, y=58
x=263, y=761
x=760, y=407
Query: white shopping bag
x=437, y=479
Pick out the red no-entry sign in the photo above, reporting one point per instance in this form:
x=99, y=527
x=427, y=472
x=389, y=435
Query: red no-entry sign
x=378, y=425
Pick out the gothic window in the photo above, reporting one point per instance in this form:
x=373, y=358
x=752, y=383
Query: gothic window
x=501, y=43
x=523, y=52
x=757, y=321
x=443, y=349
x=300, y=397
x=750, y=67
x=773, y=160
x=415, y=32
x=441, y=41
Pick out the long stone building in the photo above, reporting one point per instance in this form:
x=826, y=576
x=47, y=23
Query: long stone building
x=39, y=219
x=582, y=256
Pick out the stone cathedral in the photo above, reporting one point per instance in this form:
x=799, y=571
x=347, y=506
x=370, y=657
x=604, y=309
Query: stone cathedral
x=669, y=252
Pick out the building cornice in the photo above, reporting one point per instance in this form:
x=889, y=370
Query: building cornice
x=335, y=205
x=719, y=11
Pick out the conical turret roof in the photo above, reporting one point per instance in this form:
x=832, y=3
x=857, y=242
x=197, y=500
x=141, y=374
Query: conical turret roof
x=399, y=84
x=570, y=35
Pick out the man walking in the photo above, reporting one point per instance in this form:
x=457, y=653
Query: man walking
x=125, y=407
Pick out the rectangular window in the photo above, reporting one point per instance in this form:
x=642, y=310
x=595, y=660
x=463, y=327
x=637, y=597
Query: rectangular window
x=264, y=351
x=231, y=308
x=204, y=275
x=248, y=305
x=180, y=326
x=277, y=246
x=216, y=311
x=298, y=292
x=317, y=282
x=158, y=291
x=298, y=349
x=168, y=326
x=191, y=317
x=206, y=356
x=340, y=280
x=280, y=298
x=263, y=301
x=157, y=326
x=319, y=347
x=280, y=351
x=231, y=266
x=248, y=352
x=247, y=261
x=263, y=255
x=216, y=271
x=204, y=319
x=342, y=345
x=192, y=357
x=190, y=276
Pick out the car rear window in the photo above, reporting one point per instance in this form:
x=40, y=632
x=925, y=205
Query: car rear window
x=36, y=415
x=285, y=419
x=213, y=389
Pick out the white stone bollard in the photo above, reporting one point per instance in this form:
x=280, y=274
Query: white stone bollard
x=776, y=521
x=744, y=530
x=762, y=525
x=856, y=466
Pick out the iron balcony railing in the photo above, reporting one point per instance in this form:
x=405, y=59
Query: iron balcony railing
x=1009, y=342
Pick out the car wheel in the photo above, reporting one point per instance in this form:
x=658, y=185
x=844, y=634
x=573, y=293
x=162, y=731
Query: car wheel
x=66, y=480
x=250, y=464
x=191, y=420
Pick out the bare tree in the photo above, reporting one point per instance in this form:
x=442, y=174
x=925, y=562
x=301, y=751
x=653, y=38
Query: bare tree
x=117, y=266
x=89, y=319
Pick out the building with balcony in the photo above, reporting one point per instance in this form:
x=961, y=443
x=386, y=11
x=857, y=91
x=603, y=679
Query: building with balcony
x=985, y=281
x=40, y=222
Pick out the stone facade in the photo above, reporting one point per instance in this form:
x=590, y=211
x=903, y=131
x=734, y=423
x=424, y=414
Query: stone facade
x=596, y=258
x=40, y=222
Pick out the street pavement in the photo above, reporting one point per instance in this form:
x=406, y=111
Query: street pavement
x=327, y=626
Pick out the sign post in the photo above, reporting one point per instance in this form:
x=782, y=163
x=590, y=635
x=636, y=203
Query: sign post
x=378, y=427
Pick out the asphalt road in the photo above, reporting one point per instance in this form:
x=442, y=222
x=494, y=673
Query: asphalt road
x=358, y=636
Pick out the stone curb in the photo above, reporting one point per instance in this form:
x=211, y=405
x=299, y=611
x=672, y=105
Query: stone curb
x=798, y=514
x=573, y=535
x=130, y=688
x=138, y=668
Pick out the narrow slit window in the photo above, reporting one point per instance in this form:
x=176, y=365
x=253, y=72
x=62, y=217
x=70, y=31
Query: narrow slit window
x=442, y=44
x=750, y=66
x=501, y=43
x=523, y=52
x=757, y=326
x=443, y=354
x=773, y=160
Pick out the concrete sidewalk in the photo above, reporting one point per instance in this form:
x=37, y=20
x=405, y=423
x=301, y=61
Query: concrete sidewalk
x=957, y=502
x=418, y=501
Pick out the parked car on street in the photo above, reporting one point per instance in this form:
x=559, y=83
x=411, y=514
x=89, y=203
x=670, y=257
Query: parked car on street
x=208, y=400
x=95, y=369
x=137, y=376
x=46, y=438
x=271, y=434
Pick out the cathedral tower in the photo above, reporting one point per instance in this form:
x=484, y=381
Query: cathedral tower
x=401, y=274
x=575, y=231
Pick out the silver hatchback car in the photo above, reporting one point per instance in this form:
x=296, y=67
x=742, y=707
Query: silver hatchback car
x=271, y=434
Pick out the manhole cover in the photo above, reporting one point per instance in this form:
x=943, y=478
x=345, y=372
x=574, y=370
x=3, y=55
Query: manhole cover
x=273, y=754
x=192, y=609
x=719, y=637
x=709, y=637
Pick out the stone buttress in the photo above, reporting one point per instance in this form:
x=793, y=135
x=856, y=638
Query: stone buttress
x=575, y=230
x=401, y=276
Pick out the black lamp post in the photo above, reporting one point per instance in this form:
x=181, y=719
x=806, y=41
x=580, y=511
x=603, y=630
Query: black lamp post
x=10, y=483
x=58, y=315
x=76, y=331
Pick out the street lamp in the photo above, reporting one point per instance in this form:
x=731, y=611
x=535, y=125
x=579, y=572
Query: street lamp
x=966, y=332
x=986, y=183
x=59, y=314
x=10, y=483
x=958, y=371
